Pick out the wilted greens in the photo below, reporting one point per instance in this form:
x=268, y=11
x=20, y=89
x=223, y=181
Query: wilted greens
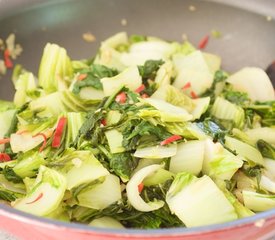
x=147, y=134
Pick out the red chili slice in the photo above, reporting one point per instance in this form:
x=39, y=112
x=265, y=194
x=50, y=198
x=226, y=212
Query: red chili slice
x=35, y=200
x=59, y=132
x=140, y=88
x=140, y=187
x=193, y=94
x=186, y=86
x=4, y=157
x=4, y=140
x=82, y=76
x=203, y=42
x=44, y=142
x=103, y=122
x=144, y=95
x=170, y=140
x=7, y=60
x=121, y=98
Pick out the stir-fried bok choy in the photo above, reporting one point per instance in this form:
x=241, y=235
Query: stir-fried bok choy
x=148, y=134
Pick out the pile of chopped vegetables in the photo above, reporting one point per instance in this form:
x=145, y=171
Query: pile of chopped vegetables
x=148, y=134
x=9, y=51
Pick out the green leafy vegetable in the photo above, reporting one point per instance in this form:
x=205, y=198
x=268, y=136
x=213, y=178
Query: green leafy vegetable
x=217, y=85
x=266, y=110
x=213, y=129
x=123, y=164
x=137, y=38
x=135, y=132
x=266, y=149
x=238, y=98
x=91, y=127
x=7, y=195
x=149, y=69
x=10, y=175
x=93, y=75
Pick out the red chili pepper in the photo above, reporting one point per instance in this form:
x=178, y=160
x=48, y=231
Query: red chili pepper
x=59, y=132
x=4, y=140
x=82, y=76
x=170, y=140
x=4, y=157
x=140, y=88
x=44, y=142
x=186, y=86
x=35, y=200
x=203, y=42
x=140, y=187
x=193, y=94
x=7, y=60
x=103, y=122
x=121, y=98
x=144, y=95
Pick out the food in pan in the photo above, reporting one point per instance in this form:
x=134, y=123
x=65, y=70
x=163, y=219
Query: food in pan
x=147, y=134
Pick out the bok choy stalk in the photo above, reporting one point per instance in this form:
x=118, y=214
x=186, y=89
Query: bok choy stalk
x=129, y=78
x=257, y=201
x=75, y=121
x=194, y=69
x=133, y=192
x=227, y=111
x=189, y=157
x=174, y=96
x=247, y=80
x=55, y=69
x=28, y=164
x=240, y=209
x=264, y=133
x=115, y=139
x=198, y=201
x=24, y=142
x=218, y=162
x=24, y=85
x=166, y=111
x=156, y=152
x=108, y=54
x=60, y=102
x=248, y=152
x=101, y=195
x=6, y=118
x=104, y=222
x=80, y=167
x=45, y=195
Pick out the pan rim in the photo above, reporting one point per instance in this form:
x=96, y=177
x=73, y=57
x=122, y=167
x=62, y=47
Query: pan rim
x=15, y=214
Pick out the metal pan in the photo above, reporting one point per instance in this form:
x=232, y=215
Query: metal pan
x=248, y=40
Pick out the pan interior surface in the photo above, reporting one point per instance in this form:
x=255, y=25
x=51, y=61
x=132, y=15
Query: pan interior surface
x=247, y=38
